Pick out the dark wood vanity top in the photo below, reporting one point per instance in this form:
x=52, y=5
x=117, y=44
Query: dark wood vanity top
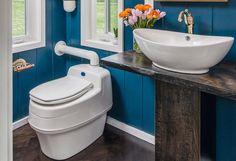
x=220, y=80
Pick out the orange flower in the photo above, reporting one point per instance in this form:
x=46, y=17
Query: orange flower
x=140, y=7
x=149, y=16
x=153, y=14
x=146, y=7
x=123, y=14
x=128, y=10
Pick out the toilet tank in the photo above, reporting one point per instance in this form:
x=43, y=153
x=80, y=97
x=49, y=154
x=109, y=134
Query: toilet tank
x=98, y=76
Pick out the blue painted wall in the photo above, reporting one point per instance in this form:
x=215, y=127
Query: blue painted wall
x=47, y=65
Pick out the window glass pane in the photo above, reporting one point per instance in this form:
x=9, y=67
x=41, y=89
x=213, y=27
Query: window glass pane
x=113, y=14
x=18, y=18
x=107, y=16
x=100, y=16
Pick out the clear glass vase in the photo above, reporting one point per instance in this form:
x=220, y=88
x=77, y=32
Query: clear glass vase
x=136, y=47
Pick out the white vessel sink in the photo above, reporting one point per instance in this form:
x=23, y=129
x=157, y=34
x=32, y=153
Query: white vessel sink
x=181, y=52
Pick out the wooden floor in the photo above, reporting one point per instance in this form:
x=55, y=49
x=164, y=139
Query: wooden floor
x=114, y=145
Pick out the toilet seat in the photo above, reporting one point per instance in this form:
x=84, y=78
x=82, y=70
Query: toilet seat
x=60, y=90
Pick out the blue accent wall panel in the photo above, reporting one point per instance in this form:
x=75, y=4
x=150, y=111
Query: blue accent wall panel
x=48, y=66
x=148, y=104
x=226, y=130
x=27, y=81
x=58, y=34
x=118, y=88
x=224, y=23
x=132, y=109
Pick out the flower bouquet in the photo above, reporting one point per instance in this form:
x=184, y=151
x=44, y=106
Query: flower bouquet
x=142, y=16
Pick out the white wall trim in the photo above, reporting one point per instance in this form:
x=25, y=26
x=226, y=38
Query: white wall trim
x=20, y=123
x=5, y=81
x=131, y=130
x=113, y=122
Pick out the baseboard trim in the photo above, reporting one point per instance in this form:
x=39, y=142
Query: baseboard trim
x=131, y=130
x=111, y=121
x=20, y=123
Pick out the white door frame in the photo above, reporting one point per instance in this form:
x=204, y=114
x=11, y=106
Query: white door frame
x=5, y=82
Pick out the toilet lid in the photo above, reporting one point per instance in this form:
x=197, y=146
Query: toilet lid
x=60, y=90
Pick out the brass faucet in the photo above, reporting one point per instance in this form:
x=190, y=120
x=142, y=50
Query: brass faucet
x=188, y=19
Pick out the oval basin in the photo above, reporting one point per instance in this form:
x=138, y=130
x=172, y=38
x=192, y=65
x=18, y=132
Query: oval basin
x=181, y=52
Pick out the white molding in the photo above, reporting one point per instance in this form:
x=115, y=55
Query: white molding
x=6, y=81
x=131, y=130
x=35, y=24
x=88, y=27
x=20, y=123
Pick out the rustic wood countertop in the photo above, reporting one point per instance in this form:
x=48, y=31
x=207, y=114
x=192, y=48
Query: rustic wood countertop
x=220, y=80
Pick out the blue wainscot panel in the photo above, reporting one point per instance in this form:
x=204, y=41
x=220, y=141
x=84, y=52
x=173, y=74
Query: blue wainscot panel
x=226, y=130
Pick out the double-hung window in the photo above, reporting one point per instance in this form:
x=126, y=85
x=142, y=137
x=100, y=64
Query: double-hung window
x=100, y=25
x=28, y=24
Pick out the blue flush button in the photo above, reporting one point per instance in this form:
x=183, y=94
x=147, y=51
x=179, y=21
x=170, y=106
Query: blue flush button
x=82, y=74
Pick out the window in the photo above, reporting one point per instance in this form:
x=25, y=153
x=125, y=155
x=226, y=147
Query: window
x=18, y=17
x=100, y=26
x=107, y=18
x=28, y=24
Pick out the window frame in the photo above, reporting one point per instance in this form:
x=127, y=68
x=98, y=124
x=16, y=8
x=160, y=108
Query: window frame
x=88, y=28
x=35, y=28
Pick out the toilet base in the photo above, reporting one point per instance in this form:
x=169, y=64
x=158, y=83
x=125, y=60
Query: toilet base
x=65, y=145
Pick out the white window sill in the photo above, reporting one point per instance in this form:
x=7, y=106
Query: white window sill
x=98, y=44
x=16, y=48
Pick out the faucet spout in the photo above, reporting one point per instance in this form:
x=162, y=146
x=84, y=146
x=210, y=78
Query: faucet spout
x=188, y=20
x=180, y=19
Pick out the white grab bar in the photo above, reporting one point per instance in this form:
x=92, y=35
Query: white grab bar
x=61, y=48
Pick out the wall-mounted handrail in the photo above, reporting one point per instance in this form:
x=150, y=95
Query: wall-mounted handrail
x=61, y=48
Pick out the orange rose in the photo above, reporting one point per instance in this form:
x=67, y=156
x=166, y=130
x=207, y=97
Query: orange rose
x=149, y=16
x=128, y=10
x=123, y=14
x=146, y=7
x=140, y=7
x=156, y=14
x=153, y=14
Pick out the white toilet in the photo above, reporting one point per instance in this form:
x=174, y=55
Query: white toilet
x=68, y=114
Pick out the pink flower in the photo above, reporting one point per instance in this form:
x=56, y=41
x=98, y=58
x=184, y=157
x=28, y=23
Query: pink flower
x=132, y=19
x=137, y=13
x=163, y=14
x=144, y=15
